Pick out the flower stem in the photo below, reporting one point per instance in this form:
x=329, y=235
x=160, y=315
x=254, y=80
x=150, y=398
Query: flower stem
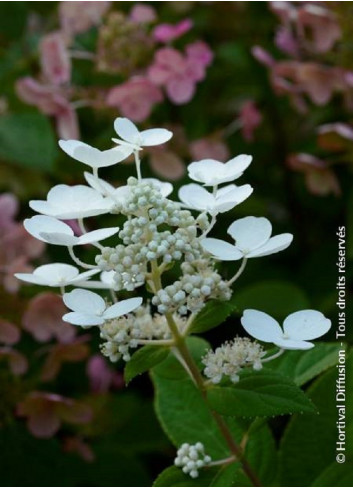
x=78, y=261
x=138, y=164
x=239, y=272
x=190, y=366
x=275, y=355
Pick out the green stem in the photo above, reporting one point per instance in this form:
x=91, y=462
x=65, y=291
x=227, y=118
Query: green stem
x=192, y=368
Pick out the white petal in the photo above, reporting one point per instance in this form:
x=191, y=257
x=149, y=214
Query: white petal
x=288, y=344
x=261, y=326
x=228, y=200
x=58, y=273
x=235, y=167
x=81, y=319
x=100, y=159
x=205, y=171
x=32, y=279
x=126, y=130
x=273, y=245
x=97, y=235
x=37, y=225
x=83, y=276
x=43, y=207
x=122, y=307
x=85, y=302
x=306, y=325
x=99, y=184
x=153, y=137
x=250, y=232
x=196, y=197
x=59, y=239
x=221, y=249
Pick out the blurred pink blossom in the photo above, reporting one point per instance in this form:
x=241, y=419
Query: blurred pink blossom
x=9, y=333
x=166, y=164
x=135, y=98
x=142, y=13
x=46, y=412
x=8, y=209
x=42, y=318
x=54, y=58
x=250, y=118
x=101, y=376
x=319, y=177
x=211, y=147
x=75, y=444
x=286, y=41
x=178, y=72
x=77, y=17
x=75, y=351
x=51, y=101
x=336, y=136
x=18, y=363
x=169, y=32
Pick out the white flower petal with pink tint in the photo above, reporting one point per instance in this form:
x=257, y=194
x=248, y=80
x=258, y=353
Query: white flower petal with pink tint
x=94, y=157
x=55, y=275
x=130, y=135
x=297, y=328
x=89, y=309
x=212, y=172
x=78, y=201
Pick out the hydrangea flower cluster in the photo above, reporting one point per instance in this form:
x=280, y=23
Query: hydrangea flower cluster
x=160, y=234
x=228, y=359
x=192, y=458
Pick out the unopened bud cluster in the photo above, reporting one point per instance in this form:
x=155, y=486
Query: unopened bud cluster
x=230, y=358
x=123, y=334
x=191, y=458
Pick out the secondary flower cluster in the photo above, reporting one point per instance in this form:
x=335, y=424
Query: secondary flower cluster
x=192, y=458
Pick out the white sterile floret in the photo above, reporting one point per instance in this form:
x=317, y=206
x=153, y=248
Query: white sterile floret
x=65, y=202
x=298, y=328
x=55, y=275
x=212, y=172
x=230, y=358
x=191, y=458
x=51, y=230
x=89, y=309
x=136, y=139
x=106, y=281
x=94, y=157
x=198, y=198
x=252, y=237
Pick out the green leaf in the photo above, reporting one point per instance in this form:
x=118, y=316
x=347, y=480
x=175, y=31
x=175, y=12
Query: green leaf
x=175, y=477
x=213, y=314
x=262, y=393
x=276, y=297
x=28, y=139
x=302, y=366
x=261, y=453
x=145, y=358
x=308, y=446
x=336, y=475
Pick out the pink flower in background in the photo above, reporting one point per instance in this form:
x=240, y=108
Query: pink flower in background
x=51, y=101
x=60, y=353
x=46, y=412
x=17, y=362
x=77, y=17
x=8, y=209
x=42, y=318
x=75, y=444
x=211, y=147
x=166, y=164
x=169, y=32
x=178, y=73
x=319, y=177
x=135, y=98
x=336, y=136
x=54, y=58
x=9, y=333
x=250, y=118
x=142, y=14
x=101, y=376
x=17, y=247
x=286, y=41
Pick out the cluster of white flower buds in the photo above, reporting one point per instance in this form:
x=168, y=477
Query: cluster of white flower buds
x=191, y=458
x=230, y=358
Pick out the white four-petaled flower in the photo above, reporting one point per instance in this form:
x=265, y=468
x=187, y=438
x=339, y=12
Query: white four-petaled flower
x=55, y=275
x=51, y=230
x=89, y=309
x=78, y=201
x=298, y=328
x=252, y=237
x=198, y=198
x=212, y=172
x=136, y=139
x=94, y=157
